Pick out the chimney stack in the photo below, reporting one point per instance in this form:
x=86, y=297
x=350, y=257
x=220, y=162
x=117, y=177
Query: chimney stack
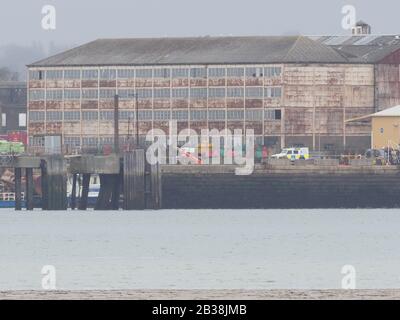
x=361, y=28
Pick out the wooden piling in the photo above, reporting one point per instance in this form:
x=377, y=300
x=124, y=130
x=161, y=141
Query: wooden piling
x=116, y=191
x=116, y=124
x=73, y=192
x=54, y=183
x=29, y=188
x=85, y=192
x=133, y=180
x=18, y=195
x=44, y=184
x=155, y=180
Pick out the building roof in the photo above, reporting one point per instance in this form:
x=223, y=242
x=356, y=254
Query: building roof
x=362, y=48
x=201, y=50
x=391, y=112
x=361, y=23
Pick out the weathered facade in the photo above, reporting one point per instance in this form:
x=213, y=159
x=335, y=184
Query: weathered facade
x=289, y=90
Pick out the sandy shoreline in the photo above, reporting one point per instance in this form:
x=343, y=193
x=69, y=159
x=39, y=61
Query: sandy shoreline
x=203, y=295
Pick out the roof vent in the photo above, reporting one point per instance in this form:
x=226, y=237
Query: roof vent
x=361, y=28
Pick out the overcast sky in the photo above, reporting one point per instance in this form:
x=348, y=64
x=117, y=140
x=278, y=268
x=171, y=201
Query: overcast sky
x=79, y=21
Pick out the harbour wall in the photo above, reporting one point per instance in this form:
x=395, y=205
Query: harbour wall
x=282, y=186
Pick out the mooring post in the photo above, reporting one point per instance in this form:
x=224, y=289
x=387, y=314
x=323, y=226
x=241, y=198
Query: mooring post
x=134, y=180
x=54, y=183
x=29, y=188
x=116, y=193
x=83, y=201
x=44, y=183
x=103, y=199
x=116, y=124
x=73, y=192
x=156, y=189
x=17, y=180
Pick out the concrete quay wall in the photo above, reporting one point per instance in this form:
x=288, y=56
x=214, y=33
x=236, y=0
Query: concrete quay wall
x=281, y=186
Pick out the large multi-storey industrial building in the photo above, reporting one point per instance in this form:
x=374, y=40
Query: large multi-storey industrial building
x=289, y=90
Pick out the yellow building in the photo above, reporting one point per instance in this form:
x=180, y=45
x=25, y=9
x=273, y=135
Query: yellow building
x=385, y=128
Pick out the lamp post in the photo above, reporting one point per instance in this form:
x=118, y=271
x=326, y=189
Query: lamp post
x=136, y=95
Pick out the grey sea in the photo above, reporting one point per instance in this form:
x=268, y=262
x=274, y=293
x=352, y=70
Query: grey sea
x=200, y=249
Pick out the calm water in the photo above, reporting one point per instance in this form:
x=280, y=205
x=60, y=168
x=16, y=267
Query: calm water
x=218, y=249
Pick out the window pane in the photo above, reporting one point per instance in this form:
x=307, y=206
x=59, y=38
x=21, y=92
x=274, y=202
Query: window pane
x=90, y=94
x=198, y=93
x=126, y=115
x=180, y=93
x=72, y=115
x=144, y=73
x=235, y=115
x=273, y=92
x=271, y=72
x=90, y=115
x=217, y=72
x=107, y=74
x=54, y=94
x=54, y=115
x=254, y=72
x=106, y=115
x=180, y=115
x=90, y=74
x=145, y=93
x=22, y=119
x=54, y=75
x=72, y=141
x=162, y=115
x=235, y=92
x=254, y=115
x=235, y=72
x=198, y=115
x=162, y=73
x=180, y=73
x=126, y=73
x=36, y=116
x=36, y=75
x=107, y=93
x=126, y=94
x=162, y=93
x=254, y=92
x=198, y=72
x=216, y=92
x=72, y=94
x=72, y=74
x=145, y=115
x=216, y=115
x=90, y=141
x=35, y=95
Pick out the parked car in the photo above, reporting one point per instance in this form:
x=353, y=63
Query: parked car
x=293, y=154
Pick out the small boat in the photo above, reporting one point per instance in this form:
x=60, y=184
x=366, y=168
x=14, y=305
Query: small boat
x=94, y=189
x=7, y=200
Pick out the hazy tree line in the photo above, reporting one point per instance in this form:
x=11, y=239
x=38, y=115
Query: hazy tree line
x=14, y=58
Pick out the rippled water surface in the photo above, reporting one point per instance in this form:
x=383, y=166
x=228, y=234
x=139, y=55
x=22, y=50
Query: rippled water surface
x=200, y=249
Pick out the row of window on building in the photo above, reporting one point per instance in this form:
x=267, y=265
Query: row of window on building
x=94, y=141
x=158, y=115
x=162, y=73
x=166, y=93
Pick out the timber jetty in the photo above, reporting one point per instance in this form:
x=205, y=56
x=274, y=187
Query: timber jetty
x=128, y=177
x=129, y=182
